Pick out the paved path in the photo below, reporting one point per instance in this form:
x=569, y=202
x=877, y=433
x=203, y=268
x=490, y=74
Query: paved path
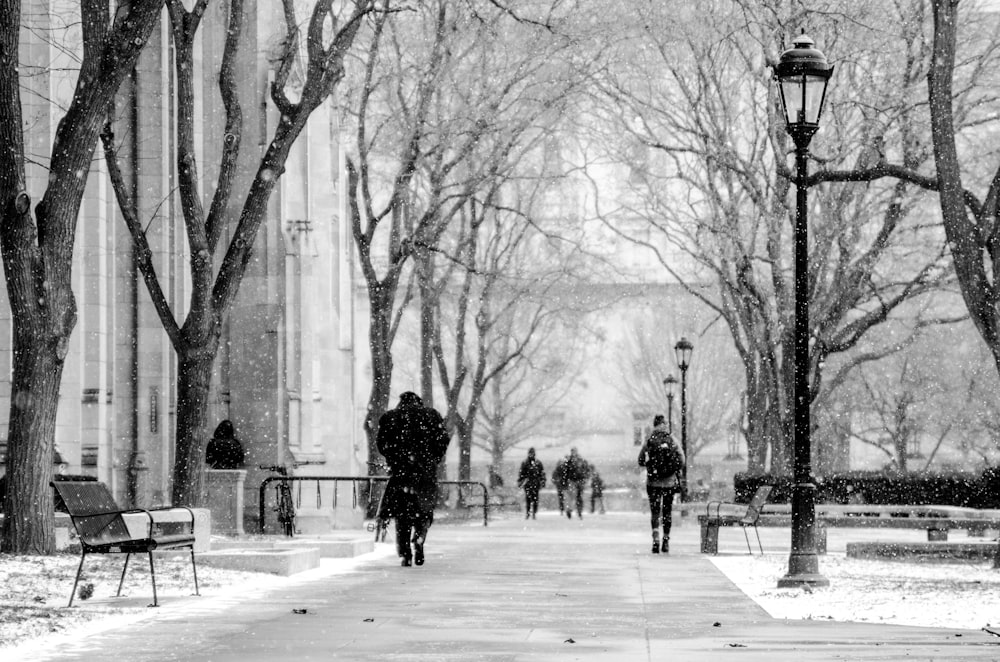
x=548, y=589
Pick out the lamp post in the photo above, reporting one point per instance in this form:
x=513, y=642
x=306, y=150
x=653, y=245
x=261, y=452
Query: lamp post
x=802, y=74
x=669, y=382
x=682, y=351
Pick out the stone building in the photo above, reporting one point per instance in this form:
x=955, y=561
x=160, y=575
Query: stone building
x=284, y=373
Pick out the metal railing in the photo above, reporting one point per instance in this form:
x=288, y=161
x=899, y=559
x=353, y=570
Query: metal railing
x=358, y=479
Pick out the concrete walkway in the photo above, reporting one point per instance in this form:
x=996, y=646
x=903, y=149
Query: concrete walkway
x=547, y=589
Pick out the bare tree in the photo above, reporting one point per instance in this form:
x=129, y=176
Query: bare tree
x=714, y=184
x=429, y=113
x=214, y=284
x=37, y=245
x=714, y=389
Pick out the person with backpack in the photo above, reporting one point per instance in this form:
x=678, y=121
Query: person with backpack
x=664, y=463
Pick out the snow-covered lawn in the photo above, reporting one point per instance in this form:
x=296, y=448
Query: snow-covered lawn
x=954, y=595
x=34, y=590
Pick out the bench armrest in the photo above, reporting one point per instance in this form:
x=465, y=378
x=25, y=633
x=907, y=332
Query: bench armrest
x=708, y=508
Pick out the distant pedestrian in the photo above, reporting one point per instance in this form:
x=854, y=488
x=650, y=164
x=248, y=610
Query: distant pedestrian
x=596, y=489
x=664, y=462
x=224, y=451
x=531, y=477
x=560, y=483
x=575, y=472
x=413, y=440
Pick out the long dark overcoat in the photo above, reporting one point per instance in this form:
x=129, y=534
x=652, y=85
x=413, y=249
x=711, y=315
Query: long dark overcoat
x=413, y=440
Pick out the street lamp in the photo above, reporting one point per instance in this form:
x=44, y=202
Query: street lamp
x=668, y=383
x=802, y=75
x=682, y=351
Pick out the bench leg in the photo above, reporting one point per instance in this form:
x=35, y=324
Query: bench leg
x=152, y=577
x=77, y=580
x=194, y=569
x=937, y=535
x=122, y=580
x=709, y=538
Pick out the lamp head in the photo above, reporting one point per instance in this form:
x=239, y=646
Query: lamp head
x=802, y=75
x=683, y=350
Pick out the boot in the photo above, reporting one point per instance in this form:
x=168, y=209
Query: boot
x=418, y=551
x=656, y=542
x=665, y=547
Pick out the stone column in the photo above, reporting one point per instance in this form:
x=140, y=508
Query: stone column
x=224, y=498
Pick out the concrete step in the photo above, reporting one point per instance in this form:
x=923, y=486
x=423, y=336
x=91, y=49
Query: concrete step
x=940, y=551
x=283, y=556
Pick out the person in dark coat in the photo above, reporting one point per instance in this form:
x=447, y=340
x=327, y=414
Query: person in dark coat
x=413, y=440
x=576, y=471
x=661, y=485
x=560, y=483
x=531, y=477
x=596, y=490
x=224, y=451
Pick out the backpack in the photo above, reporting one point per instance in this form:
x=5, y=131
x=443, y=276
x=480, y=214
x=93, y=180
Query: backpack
x=663, y=460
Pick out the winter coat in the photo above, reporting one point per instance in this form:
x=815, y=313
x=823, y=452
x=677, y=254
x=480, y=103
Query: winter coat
x=559, y=476
x=576, y=469
x=597, y=485
x=413, y=440
x=531, y=475
x=224, y=451
x=660, y=436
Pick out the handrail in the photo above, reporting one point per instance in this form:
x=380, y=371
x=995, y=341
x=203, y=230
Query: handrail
x=361, y=479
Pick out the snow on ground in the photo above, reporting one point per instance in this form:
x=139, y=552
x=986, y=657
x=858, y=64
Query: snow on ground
x=953, y=595
x=34, y=591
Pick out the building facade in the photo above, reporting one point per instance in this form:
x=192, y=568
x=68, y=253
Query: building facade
x=284, y=374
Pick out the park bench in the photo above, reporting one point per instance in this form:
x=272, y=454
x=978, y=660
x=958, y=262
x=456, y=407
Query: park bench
x=743, y=516
x=936, y=520
x=102, y=529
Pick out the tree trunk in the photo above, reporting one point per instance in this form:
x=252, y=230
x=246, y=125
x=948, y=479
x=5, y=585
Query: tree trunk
x=29, y=522
x=194, y=378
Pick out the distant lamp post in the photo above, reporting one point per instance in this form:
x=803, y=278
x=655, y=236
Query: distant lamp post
x=802, y=75
x=669, y=383
x=682, y=352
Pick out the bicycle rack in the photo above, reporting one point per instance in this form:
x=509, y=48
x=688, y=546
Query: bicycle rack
x=361, y=479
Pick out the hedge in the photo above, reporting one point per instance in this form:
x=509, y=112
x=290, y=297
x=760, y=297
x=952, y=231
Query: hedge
x=951, y=489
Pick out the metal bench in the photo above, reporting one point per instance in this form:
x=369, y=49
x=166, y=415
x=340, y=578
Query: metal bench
x=936, y=520
x=102, y=529
x=747, y=516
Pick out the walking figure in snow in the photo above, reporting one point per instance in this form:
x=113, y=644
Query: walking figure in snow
x=413, y=440
x=575, y=471
x=559, y=482
x=532, y=478
x=596, y=490
x=664, y=462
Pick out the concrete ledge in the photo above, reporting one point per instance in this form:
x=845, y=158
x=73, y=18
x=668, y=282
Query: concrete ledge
x=167, y=520
x=273, y=561
x=930, y=552
x=332, y=549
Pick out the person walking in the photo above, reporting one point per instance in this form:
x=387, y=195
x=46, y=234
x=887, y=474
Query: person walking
x=560, y=483
x=224, y=451
x=531, y=477
x=664, y=462
x=596, y=489
x=576, y=471
x=413, y=440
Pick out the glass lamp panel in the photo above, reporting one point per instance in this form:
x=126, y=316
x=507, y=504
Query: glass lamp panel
x=792, y=94
x=815, y=89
